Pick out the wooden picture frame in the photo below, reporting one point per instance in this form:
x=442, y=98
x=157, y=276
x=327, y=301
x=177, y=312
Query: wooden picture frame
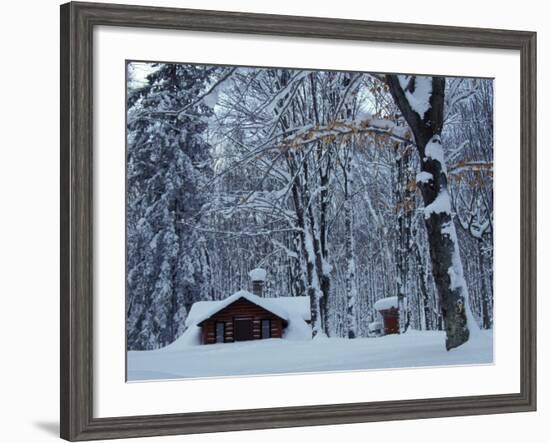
x=77, y=23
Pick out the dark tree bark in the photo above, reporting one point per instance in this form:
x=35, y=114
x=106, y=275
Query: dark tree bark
x=425, y=296
x=312, y=292
x=445, y=257
x=486, y=320
x=351, y=288
x=322, y=249
x=404, y=207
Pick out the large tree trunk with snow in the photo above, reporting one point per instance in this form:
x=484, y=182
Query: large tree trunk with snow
x=420, y=100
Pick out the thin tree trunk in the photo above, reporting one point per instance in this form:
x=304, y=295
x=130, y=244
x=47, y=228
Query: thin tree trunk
x=351, y=287
x=421, y=273
x=486, y=321
x=403, y=206
x=323, y=228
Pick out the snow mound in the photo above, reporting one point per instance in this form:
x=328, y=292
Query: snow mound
x=297, y=329
x=191, y=337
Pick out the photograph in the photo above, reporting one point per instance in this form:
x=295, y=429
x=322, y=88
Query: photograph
x=284, y=220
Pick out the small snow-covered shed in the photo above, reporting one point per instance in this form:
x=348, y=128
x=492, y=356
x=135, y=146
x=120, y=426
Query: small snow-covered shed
x=389, y=310
x=246, y=316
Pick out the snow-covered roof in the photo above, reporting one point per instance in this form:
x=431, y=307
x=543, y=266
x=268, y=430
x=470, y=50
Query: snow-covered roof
x=257, y=274
x=294, y=306
x=386, y=303
x=284, y=307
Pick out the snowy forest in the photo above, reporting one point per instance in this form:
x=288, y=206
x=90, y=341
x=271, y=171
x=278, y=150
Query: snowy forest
x=346, y=187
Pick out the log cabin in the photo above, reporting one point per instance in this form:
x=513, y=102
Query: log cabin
x=247, y=316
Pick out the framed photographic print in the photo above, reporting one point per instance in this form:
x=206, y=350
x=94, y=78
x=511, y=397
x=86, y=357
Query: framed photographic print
x=273, y=221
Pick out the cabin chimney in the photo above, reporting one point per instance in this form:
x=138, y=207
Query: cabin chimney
x=257, y=276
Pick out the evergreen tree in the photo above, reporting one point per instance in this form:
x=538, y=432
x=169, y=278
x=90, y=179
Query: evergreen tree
x=168, y=161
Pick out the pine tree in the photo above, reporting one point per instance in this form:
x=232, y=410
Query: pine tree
x=168, y=161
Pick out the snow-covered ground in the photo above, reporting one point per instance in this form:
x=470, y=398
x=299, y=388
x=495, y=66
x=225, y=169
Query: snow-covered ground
x=277, y=356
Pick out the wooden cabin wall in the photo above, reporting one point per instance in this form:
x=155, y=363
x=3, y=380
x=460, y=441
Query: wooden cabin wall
x=245, y=309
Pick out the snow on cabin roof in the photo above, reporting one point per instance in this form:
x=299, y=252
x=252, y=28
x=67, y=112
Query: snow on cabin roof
x=295, y=306
x=257, y=274
x=284, y=307
x=386, y=303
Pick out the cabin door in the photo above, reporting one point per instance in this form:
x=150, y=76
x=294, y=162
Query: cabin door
x=243, y=329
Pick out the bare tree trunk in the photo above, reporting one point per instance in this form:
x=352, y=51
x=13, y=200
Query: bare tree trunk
x=311, y=281
x=322, y=248
x=404, y=206
x=445, y=255
x=351, y=286
x=321, y=281
x=421, y=273
x=296, y=266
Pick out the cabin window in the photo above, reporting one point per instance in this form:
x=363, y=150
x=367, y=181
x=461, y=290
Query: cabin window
x=220, y=332
x=266, y=328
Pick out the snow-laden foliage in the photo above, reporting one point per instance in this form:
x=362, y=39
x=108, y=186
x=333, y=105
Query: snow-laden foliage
x=167, y=161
